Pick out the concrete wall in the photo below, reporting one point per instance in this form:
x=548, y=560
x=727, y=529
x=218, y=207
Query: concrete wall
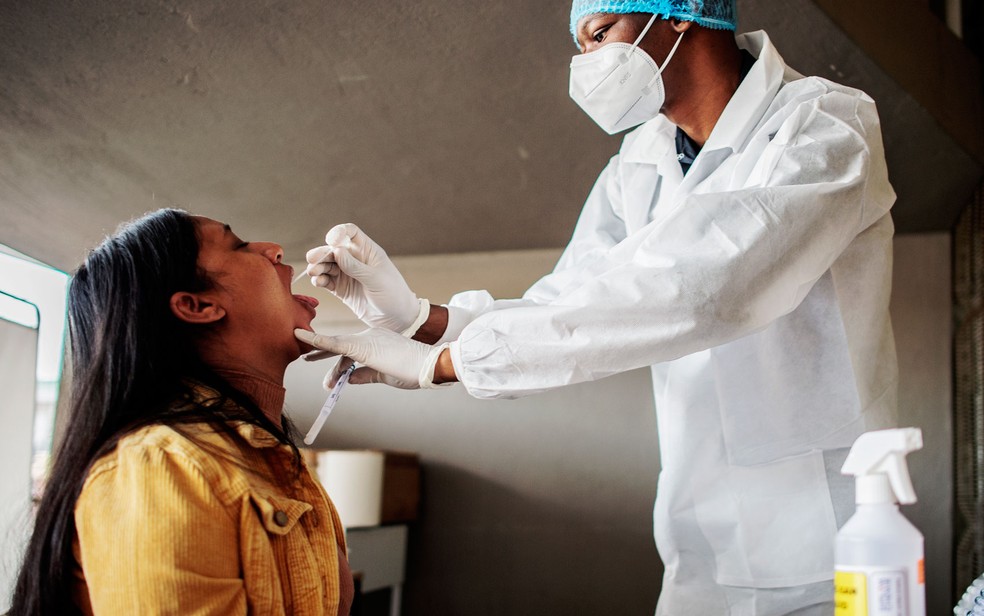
x=543, y=505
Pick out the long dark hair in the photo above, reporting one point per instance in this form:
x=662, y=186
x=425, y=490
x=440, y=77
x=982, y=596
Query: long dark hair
x=132, y=361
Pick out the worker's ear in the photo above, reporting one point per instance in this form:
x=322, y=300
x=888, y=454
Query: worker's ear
x=680, y=25
x=196, y=308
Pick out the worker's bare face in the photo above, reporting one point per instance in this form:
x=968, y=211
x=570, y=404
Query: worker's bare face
x=599, y=29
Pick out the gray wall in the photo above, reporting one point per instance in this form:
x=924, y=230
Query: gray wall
x=534, y=506
x=921, y=316
x=543, y=505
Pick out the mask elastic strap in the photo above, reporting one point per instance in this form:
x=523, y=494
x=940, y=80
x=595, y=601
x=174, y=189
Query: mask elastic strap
x=667, y=61
x=624, y=57
x=652, y=20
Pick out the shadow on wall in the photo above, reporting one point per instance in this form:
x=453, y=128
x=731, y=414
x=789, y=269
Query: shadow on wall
x=505, y=552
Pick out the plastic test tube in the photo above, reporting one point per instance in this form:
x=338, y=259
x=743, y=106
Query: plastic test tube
x=328, y=405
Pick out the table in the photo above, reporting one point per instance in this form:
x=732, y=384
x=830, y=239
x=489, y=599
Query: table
x=380, y=554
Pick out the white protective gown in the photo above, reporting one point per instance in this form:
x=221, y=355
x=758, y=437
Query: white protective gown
x=757, y=288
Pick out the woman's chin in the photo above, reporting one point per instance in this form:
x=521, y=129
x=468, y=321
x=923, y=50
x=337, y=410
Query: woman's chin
x=302, y=320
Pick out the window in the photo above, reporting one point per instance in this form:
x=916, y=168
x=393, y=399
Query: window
x=23, y=278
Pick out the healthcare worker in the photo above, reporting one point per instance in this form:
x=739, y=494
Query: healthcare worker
x=740, y=244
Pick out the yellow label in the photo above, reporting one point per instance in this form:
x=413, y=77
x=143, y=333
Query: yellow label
x=850, y=594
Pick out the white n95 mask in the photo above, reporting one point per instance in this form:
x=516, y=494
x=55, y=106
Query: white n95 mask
x=619, y=85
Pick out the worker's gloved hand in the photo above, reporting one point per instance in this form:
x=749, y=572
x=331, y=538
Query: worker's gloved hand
x=387, y=357
x=358, y=272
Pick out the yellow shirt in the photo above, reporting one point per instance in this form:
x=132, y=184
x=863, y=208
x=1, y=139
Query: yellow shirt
x=166, y=526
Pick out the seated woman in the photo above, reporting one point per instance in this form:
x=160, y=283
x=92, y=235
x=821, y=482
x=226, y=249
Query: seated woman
x=177, y=488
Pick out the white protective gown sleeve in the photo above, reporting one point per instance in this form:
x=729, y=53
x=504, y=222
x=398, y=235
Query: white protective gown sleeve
x=710, y=267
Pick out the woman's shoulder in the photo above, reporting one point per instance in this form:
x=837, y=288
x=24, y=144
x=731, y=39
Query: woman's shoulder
x=166, y=452
x=176, y=440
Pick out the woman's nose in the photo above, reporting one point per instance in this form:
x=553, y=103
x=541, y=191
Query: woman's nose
x=272, y=251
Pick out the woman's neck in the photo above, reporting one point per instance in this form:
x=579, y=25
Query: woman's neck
x=267, y=392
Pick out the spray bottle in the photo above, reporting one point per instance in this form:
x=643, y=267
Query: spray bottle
x=878, y=555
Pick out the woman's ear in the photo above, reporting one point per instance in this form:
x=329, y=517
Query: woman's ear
x=195, y=308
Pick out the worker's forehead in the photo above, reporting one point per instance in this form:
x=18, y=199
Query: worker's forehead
x=590, y=22
x=589, y=16
x=587, y=19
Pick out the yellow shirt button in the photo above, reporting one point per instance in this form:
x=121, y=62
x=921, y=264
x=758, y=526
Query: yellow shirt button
x=280, y=518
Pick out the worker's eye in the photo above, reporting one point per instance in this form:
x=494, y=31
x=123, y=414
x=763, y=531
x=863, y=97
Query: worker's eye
x=242, y=245
x=599, y=34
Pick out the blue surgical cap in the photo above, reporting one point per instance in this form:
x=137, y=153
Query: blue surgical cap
x=716, y=14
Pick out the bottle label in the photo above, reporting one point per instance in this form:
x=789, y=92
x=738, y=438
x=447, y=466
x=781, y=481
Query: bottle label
x=870, y=591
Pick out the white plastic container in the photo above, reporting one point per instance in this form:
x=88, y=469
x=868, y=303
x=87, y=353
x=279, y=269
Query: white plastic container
x=354, y=482
x=878, y=555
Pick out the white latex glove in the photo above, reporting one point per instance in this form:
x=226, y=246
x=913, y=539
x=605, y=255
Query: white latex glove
x=358, y=272
x=387, y=357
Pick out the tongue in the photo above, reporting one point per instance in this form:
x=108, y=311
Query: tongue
x=307, y=300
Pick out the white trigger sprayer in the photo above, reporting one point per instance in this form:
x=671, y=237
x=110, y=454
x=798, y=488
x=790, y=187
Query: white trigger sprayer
x=878, y=555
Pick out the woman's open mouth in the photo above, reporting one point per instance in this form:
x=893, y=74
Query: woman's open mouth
x=308, y=302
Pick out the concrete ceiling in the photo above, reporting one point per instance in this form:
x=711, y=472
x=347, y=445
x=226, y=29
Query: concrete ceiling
x=438, y=127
